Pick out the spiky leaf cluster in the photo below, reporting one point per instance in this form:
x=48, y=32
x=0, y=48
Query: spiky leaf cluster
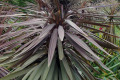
x=54, y=44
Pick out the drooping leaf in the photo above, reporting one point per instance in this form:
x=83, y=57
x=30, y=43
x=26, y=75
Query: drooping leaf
x=30, y=22
x=38, y=40
x=76, y=27
x=16, y=74
x=80, y=66
x=101, y=64
x=82, y=44
x=107, y=44
x=30, y=60
x=96, y=44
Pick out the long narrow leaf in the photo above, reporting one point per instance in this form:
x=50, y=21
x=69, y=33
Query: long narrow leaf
x=52, y=46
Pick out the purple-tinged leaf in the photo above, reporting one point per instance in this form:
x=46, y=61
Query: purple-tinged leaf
x=103, y=6
x=80, y=50
x=75, y=26
x=25, y=45
x=17, y=33
x=3, y=72
x=15, y=40
x=38, y=39
x=16, y=15
x=29, y=22
x=61, y=33
x=82, y=44
x=106, y=44
x=101, y=64
x=102, y=31
x=52, y=46
x=96, y=44
x=92, y=23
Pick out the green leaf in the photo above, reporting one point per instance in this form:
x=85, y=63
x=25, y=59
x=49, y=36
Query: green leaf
x=84, y=70
x=60, y=50
x=16, y=74
x=60, y=75
x=67, y=68
x=5, y=56
x=51, y=71
x=118, y=64
x=63, y=71
x=56, y=73
x=112, y=60
x=47, y=69
x=76, y=74
x=26, y=76
x=104, y=78
x=31, y=60
x=36, y=70
x=9, y=61
x=40, y=71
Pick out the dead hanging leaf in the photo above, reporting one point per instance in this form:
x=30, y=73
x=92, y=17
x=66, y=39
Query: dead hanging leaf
x=52, y=46
x=96, y=30
x=101, y=64
x=61, y=32
x=92, y=23
x=95, y=7
x=106, y=44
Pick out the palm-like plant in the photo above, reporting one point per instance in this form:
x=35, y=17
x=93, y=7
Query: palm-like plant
x=54, y=44
x=111, y=20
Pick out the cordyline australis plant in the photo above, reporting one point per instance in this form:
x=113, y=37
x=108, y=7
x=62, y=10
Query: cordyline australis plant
x=53, y=45
x=112, y=20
